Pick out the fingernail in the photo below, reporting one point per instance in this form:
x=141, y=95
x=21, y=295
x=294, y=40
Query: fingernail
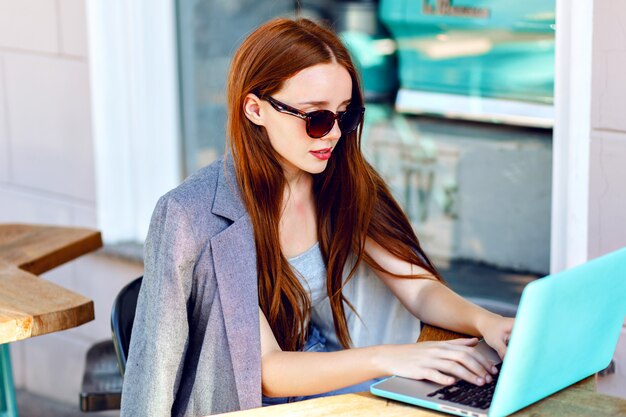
x=480, y=381
x=494, y=370
x=489, y=379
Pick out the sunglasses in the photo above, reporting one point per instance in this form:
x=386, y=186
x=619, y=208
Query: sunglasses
x=320, y=122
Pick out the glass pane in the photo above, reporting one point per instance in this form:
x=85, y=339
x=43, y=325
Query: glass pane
x=209, y=33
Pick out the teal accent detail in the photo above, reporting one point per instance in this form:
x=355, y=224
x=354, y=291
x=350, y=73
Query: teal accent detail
x=374, y=61
x=508, y=55
x=8, y=404
x=582, y=307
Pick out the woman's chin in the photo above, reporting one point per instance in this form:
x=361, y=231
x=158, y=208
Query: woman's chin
x=317, y=168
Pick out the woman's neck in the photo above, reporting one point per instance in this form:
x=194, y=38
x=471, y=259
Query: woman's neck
x=298, y=214
x=298, y=188
x=297, y=181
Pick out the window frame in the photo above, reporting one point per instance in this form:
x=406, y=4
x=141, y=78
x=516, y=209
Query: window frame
x=135, y=111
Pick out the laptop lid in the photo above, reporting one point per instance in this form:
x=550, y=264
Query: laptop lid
x=566, y=329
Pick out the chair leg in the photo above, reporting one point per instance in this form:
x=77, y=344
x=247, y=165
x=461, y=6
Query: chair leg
x=8, y=404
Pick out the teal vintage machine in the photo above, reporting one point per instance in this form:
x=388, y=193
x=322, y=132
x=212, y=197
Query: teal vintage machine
x=476, y=59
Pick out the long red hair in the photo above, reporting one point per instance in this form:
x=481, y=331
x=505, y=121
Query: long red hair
x=352, y=200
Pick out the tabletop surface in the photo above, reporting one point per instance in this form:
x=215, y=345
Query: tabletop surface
x=31, y=306
x=578, y=400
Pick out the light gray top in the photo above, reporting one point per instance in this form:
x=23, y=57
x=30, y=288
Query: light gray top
x=382, y=318
x=311, y=270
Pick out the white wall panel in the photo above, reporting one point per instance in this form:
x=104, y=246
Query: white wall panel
x=30, y=25
x=609, y=65
x=50, y=125
x=4, y=130
x=21, y=206
x=73, y=18
x=607, y=193
x=55, y=365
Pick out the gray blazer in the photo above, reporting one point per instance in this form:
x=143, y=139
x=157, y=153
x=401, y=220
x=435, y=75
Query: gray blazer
x=195, y=348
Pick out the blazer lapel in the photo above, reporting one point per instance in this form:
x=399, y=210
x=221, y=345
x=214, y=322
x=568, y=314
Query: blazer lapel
x=228, y=202
x=234, y=259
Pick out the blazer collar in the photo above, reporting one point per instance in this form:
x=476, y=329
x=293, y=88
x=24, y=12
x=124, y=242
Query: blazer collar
x=228, y=202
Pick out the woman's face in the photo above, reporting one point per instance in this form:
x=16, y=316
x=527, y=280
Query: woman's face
x=320, y=87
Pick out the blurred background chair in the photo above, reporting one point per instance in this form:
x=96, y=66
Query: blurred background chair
x=106, y=360
x=122, y=318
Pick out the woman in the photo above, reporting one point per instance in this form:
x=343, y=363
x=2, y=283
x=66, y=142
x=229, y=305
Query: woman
x=241, y=254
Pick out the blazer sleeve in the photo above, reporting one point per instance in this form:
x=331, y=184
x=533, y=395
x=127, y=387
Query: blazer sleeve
x=160, y=333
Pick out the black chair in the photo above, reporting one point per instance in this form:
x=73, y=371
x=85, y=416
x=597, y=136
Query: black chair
x=106, y=360
x=122, y=318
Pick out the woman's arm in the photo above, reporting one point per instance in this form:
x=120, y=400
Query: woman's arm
x=434, y=303
x=160, y=331
x=307, y=373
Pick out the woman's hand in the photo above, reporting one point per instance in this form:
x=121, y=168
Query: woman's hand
x=496, y=330
x=440, y=362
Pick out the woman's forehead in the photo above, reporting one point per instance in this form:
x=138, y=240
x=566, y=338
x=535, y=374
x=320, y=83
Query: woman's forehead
x=320, y=84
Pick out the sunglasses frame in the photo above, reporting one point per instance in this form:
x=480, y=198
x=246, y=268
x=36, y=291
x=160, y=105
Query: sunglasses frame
x=287, y=109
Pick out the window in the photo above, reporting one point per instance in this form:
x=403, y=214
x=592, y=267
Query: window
x=134, y=110
x=144, y=148
x=208, y=35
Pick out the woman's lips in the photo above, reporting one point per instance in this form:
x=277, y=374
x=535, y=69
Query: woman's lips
x=322, y=154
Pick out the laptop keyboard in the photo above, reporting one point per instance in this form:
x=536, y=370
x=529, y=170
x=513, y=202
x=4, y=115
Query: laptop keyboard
x=466, y=393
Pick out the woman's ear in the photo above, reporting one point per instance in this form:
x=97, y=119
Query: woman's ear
x=252, y=109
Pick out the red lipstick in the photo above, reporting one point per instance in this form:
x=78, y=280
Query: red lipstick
x=322, y=154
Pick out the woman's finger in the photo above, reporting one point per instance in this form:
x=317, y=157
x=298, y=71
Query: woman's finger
x=471, y=359
x=500, y=347
x=437, y=377
x=457, y=370
x=465, y=341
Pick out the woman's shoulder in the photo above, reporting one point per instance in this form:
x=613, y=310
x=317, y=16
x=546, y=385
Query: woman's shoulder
x=197, y=187
x=207, y=194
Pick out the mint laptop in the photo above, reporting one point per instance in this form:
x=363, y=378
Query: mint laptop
x=566, y=329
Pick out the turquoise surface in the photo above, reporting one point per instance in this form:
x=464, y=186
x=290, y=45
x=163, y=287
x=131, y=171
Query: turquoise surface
x=566, y=329
x=376, y=65
x=506, y=52
x=8, y=404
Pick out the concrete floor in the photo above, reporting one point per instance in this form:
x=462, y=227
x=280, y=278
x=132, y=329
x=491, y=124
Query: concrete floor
x=32, y=405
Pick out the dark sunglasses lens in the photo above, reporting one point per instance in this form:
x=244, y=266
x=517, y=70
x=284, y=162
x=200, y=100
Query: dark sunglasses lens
x=320, y=123
x=350, y=120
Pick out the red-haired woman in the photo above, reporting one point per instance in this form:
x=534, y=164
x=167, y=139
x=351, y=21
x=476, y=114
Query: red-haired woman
x=248, y=262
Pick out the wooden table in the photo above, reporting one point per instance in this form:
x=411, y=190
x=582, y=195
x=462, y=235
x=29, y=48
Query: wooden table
x=30, y=306
x=579, y=400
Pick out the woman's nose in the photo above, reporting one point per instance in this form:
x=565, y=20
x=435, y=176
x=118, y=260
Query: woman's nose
x=335, y=132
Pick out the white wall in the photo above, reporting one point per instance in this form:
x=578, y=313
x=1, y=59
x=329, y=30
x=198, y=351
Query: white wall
x=47, y=173
x=607, y=170
x=607, y=197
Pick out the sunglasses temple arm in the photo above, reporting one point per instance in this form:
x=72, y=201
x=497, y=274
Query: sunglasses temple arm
x=282, y=107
